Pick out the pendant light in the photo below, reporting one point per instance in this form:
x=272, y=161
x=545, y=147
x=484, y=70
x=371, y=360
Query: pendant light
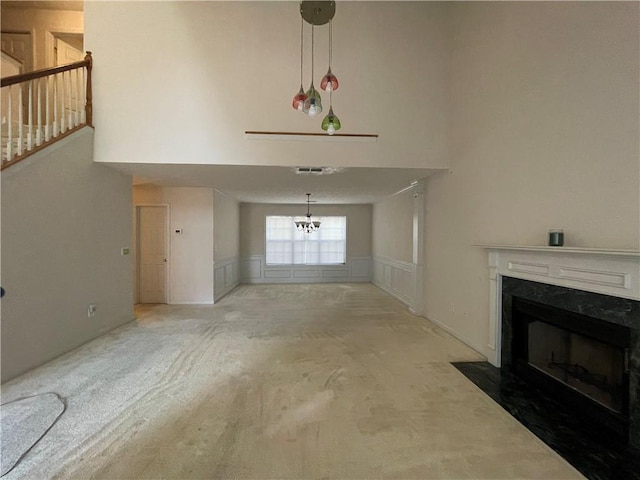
x=313, y=104
x=300, y=97
x=330, y=123
x=329, y=81
x=307, y=226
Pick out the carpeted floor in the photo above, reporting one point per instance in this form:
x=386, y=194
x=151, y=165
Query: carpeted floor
x=276, y=381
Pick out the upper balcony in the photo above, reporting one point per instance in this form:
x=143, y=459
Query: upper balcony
x=43, y=106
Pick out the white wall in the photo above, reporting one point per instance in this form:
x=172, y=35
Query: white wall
x=544, y=134
x=191, y=77
x=393, y=227
x=42, y=24
x=226, y=250
x=64, y=221
x=191, y=252
x=395, y=269
x=252, y=245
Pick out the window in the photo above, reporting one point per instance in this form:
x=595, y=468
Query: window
x=287, y=246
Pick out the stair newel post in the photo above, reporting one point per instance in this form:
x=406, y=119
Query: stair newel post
x=89, y=96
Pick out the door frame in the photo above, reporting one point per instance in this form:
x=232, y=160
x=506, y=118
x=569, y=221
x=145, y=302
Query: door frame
x=50, y=41
x=136, y=242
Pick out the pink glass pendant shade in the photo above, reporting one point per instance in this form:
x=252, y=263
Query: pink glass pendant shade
x=299, y=99
x=329, y=82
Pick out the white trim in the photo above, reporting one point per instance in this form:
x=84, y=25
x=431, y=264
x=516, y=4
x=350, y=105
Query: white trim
x=226, y=276
x=167, y=280
x=571, y=250
x=254, y=270
x=604, y=271
x=395, y=277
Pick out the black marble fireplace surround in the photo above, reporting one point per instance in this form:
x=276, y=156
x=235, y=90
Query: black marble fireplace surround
x=598, y=451
x=621, y=315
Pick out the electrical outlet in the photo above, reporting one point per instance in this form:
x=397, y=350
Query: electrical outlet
x=91, y=310
x=124, y=251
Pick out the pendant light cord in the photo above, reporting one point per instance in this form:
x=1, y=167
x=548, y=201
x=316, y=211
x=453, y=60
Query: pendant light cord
x=301, y=45
x=312, y=29
x=330, y=42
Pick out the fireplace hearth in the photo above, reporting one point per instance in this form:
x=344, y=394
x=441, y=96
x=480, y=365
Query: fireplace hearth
x=563, y=351
x=581, y=348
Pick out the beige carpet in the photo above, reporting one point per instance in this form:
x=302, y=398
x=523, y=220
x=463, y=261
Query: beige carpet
x=322, y=381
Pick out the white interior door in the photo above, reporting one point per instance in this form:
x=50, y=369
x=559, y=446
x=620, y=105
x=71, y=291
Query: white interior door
x=67, y=53
x=152, y=254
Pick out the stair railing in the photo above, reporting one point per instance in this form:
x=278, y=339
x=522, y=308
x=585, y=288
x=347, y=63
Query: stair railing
x=43, y=106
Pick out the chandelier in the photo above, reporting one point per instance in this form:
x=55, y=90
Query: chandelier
x=310, y=102
x=307, y=226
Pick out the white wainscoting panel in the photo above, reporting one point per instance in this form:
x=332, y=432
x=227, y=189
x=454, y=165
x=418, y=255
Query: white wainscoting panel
x=251, y=268
x=255, y=270
x=396, y=278
x=226, y=276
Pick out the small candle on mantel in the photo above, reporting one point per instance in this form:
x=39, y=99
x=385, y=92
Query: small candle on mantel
x=556, y=238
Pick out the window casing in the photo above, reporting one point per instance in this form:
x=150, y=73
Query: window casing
x=285, y=245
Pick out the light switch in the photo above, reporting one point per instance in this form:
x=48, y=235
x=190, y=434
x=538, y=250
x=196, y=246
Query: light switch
x=124, y=251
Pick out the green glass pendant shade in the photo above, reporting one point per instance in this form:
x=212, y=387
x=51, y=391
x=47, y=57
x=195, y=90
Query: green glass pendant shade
x=331, y=123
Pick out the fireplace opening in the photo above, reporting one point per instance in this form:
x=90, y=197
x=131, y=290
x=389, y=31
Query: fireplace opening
x=581, y=360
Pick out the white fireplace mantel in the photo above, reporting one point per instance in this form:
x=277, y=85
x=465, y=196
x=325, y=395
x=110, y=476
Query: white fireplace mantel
x=606, y=271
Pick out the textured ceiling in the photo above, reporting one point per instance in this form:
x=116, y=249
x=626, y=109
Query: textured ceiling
x=260, y=184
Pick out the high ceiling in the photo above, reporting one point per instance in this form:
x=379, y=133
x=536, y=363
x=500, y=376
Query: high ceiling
x=262, y=184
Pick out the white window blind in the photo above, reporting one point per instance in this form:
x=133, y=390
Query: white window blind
x=287, y=246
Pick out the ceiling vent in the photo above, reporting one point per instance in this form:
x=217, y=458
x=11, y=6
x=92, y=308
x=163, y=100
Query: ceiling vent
x=316, y=170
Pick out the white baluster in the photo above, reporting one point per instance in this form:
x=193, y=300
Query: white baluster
x=83, y=92
x=10, y=126
x=76, y=112
x=30, y=118
x=55, y=106
x=20, y=121
x=47, y=114
x=70, y=98
x=63, y=121
x=39, y=114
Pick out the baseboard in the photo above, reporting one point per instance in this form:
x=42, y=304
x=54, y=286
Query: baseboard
x=455, y=334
